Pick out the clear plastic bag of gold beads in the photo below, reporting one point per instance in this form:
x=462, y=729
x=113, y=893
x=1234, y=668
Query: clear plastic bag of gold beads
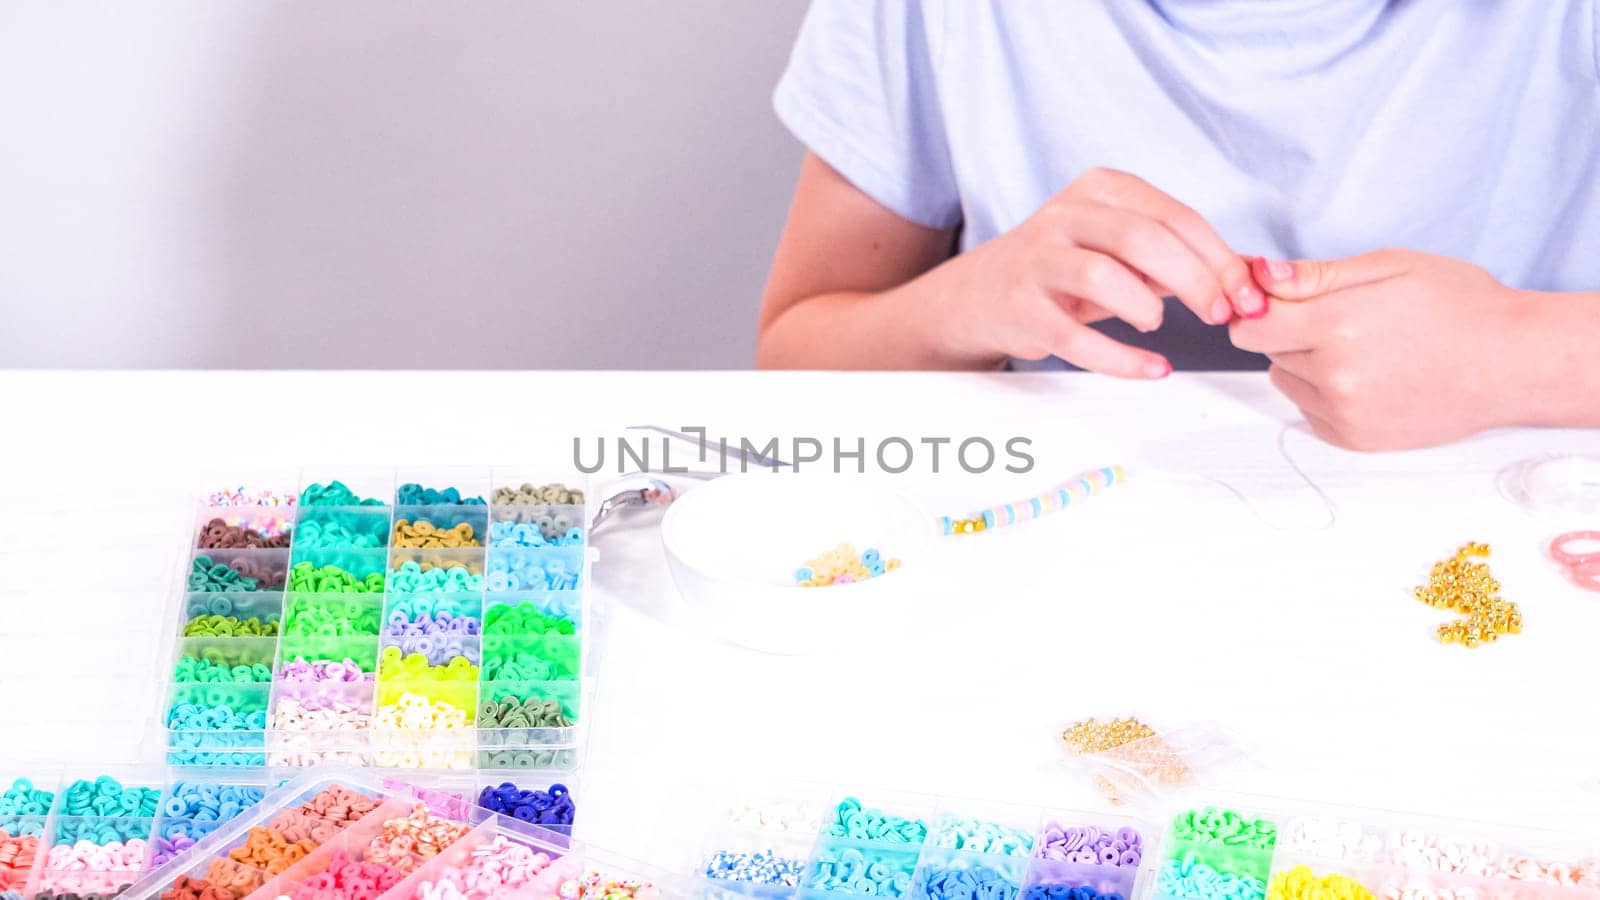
x=1130, y=760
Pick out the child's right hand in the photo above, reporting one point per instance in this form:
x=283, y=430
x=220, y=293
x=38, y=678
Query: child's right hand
x=1107, y=245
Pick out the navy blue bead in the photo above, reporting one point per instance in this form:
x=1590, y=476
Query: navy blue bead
x=550, y=808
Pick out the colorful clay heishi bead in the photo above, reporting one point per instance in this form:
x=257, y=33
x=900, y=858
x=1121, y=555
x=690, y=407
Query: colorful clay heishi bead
x=326, y=617
x=211, y=666
x=193, y=810
x=1074, y=490
x=533, y=712
x=396, y=665
x=551, y=807
x=242, y=496
x=23, y=807
x=962, y=882
x=553, y=494
x=23, y=802
x=1330, y=838
x=338, y=804
x=600, y=886
x=541, y=657
x=1189, y=879
x=339, y=530
x=229, y=626
x=534, y=570
x=320, y=721
x=238, y=574
x=776, y=815
x=346, y=670
x=497, y=868
x=406, y=842
x=88, y=867
x=219, y=534
x=107, y=797
x=438, y=649
x=413, y=494
x=525, y=617
x=334, y=493
x=18, y=853
x=851, y=820
x=556, y=529
x=1424, y=851
x=346, y=878
x=847, y=867
x=1067, y=892
x=306, y=577
x=763, y=867
x=843, y=565
x=524, y=756
x=1215, y=843
x=217, y=724
x=976, y=836
x=423, y=533
x=411, y=577
x=1121, y=847
x=1300, y=883
x=418, y=731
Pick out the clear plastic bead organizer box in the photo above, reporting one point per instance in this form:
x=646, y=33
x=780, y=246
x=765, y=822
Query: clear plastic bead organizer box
x=401, y=618
x=794, y=839
x=94, y=833
x=420, y=838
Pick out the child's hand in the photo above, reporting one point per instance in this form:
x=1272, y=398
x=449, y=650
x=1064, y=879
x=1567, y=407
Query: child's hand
x=1107, y=245
x=1394, y=349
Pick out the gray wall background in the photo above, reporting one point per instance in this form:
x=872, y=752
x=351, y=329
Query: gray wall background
x=374, y=183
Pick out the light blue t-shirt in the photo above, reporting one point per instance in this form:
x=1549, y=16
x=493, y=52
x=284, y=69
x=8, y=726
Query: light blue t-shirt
x=1298, y=128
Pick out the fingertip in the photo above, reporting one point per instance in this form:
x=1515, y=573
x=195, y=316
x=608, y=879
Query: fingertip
x=1271, y=272
x=1156, y=368
x=1251, y=302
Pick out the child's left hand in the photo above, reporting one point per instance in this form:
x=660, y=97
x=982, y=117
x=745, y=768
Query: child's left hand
x=1394, y=349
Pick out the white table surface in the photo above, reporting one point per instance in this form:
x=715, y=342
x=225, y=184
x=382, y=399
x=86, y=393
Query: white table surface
x=1286, y=617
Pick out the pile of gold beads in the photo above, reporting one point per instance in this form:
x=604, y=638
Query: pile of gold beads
x=1464, y=585
x=1134, y=752
x=1095, y=736
x=423, y=533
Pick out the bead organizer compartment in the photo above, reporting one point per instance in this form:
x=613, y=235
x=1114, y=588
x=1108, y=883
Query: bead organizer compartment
x=392, y=839
x=405, y=619
x=1299, y=850
x=818, y=842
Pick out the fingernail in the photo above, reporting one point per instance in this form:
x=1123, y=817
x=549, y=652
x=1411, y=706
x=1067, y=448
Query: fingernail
x=1221, y=311
x=1252, y=303
x=1277, y=269
x=1157, y=368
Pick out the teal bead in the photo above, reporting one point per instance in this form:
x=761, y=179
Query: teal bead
x=335, y=493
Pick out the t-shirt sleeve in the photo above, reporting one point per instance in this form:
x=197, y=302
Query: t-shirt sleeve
x=860, y=91
x=1594, y=10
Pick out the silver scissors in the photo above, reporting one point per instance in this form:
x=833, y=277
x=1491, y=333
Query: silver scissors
x=648, y=489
